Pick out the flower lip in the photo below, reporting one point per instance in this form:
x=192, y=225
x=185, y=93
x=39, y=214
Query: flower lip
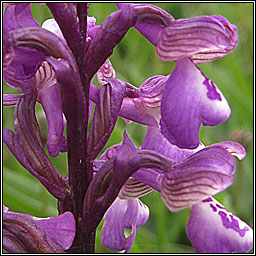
x=190, y=99
x=225, y=232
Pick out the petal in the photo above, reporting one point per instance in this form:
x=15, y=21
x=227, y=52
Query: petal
x=8, y=51
x=213, y=229
x=61, y=229
x=123, y=214
x=11, y=99
x=181, y=191
x=135, y=216
x=233, y=148
x=133, y=189
x=18, y=16
x=105, y=72
x=105, y=115
x=204, y=39
x=52, y=25
x=12, y=244
x=49, y=97
x=140, y=105
x=28, y=232
x=189, y=100
x=155, y=141
x=150, y=177
x=145, y=108
x=107, y=183
x=26, y=61
x=20, y=74
x=214, y=158
x=150, y=20
x=27, y=141
x=112, y=233
x=203, y=174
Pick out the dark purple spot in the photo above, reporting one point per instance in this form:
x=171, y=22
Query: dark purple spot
x=221, y=207
x=213, y=208
x=211, y=87
x=232, y=224
x=207, y=200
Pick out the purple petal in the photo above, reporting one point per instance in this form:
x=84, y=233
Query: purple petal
x=45, y=42
x=233, y=148
x=214, y=158
x=105, y=72
x=145, y=108
x=189, y=100
x=28, y=232
x=123, y=214
x=11, y=99
x=203, y=174
x=49, y=97
x=112, y=234
x=12, y=244
x=15, y=75
x=61, y=229
x=18, y=16
x=8, y=51
x=150, y=20
x=133, y=189
x=213, y=229
x=27, y=141
x=150, y=177
x=107, y=183
x=204, y=39
x=127, y=160
x=26, y=61
x=55, y=232
x=105, y=115
x=135, y=216
x=143, y=105
x=155, y=141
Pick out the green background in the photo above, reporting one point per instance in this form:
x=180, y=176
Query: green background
x=134, y=60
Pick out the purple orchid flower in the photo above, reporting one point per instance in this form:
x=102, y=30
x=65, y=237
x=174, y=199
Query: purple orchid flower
x=184, y=178
x=27, y=234
x=172, y=38
x=29, y=71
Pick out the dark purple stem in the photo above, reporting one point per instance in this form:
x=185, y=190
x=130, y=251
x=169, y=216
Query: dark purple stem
x=70, y=28
x=111, y=32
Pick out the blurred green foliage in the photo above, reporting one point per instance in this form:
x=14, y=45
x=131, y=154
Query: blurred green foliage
x=135, y=60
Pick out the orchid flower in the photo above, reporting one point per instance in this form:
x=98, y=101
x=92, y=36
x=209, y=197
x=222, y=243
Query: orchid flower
x=184, y=178
x=181, y=106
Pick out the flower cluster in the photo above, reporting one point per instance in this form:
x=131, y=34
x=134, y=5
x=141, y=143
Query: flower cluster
x=55, y=64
